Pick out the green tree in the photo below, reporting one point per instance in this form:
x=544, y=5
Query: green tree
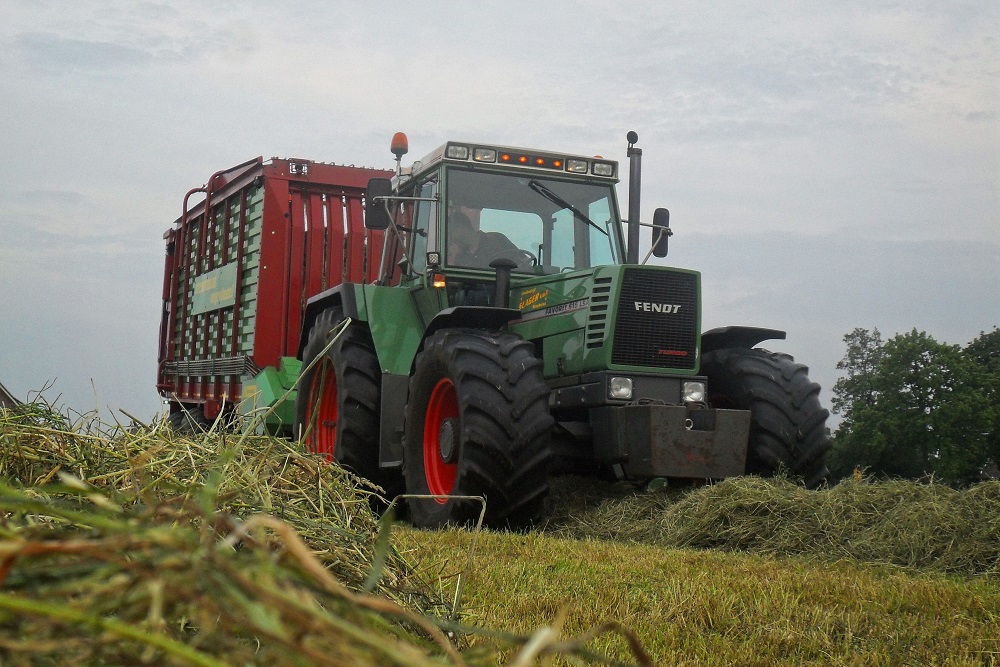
x=912, y=407
x=855, y=390
x=852, y=394
x=985, y=351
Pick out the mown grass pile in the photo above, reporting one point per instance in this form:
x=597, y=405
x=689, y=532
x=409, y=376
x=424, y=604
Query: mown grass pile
x=121, y=546
x=922, y=525
x=223, y=473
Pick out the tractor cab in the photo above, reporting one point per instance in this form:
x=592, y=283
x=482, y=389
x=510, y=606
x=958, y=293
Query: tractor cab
x=467, y=206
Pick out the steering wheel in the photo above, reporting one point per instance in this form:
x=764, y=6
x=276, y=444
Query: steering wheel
x=527, y=256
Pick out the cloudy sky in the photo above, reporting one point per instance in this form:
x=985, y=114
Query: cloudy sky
x=827, y=165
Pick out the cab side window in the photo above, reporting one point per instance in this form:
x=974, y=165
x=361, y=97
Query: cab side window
x=423, y=224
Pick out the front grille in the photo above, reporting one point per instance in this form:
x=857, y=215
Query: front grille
x=657, y=318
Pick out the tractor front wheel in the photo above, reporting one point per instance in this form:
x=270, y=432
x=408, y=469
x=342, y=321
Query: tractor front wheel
x=477, y=424
x=787, y=422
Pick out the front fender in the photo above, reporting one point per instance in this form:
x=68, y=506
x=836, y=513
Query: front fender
x=747, y=337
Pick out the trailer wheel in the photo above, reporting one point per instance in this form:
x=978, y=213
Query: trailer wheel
x=337, y=406
x=477, y=423
x=189, y=420
x=787, y=423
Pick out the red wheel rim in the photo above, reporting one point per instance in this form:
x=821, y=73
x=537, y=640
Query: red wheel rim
x=443, y=404
x=322, y=412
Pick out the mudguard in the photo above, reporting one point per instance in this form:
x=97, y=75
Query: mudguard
x=737, y=336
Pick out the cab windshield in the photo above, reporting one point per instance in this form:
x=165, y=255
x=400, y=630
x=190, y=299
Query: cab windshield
x=544, y=225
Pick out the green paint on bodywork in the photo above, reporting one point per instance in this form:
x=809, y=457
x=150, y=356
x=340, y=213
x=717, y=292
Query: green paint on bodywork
x=570, y=316
x=270, y=389
x=395, y=324
x=573, y=315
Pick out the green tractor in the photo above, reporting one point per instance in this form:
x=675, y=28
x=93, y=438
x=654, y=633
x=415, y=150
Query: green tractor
x=512, y=333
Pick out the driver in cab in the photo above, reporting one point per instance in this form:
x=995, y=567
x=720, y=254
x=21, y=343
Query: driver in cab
x=468, y=246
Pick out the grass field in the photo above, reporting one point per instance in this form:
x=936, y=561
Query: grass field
x=709, y=608
x=134, y=545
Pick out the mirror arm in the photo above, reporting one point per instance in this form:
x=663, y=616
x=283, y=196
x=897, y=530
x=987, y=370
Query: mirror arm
x=663, y=230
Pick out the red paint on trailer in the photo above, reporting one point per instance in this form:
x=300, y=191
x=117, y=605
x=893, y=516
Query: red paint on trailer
x=311, y=238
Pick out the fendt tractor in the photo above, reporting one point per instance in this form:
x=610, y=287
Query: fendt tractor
x=467, y=327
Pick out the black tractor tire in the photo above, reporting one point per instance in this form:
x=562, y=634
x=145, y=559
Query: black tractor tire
x=787, y=422
x=189, y=420
x=338, y=401
x=477, y=423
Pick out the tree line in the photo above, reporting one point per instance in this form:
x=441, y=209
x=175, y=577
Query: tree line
x=914, y=407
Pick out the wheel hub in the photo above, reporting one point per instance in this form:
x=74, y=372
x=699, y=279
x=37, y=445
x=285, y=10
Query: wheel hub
x=448, y=441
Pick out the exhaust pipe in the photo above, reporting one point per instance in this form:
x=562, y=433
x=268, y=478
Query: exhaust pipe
x=634, y=178
x=503, y=267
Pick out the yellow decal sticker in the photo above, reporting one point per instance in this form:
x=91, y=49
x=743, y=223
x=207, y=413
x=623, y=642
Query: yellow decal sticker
x=533, y=299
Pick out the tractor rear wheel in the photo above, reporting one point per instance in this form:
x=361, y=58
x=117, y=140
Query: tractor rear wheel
x=337, y=406
x=787, y=422
x=477, y=423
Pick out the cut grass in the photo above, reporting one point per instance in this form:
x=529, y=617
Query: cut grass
x=137, y=546
x=922, y=525
x=710, y=608
x=120, y=544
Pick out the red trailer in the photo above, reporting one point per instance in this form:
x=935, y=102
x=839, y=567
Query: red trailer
x=265, y=237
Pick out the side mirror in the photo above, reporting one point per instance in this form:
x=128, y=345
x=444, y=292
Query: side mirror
x=661, y=231
x=376, y=214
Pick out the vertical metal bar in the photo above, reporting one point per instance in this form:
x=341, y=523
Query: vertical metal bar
x=634, y=188
x=355, y=239
x=168, y=306
x=207, y=382
x=184, y=244
x=295, y=273
x=315, y=233
x=283, y=271
x=271, y=304
x=335, y=240
x=234, y=384
x=221, y=244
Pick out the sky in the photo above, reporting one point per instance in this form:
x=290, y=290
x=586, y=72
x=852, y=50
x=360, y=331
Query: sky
x=827, y=165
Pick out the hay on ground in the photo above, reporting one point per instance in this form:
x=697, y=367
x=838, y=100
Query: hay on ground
x=922, y=525
x=138, y=546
